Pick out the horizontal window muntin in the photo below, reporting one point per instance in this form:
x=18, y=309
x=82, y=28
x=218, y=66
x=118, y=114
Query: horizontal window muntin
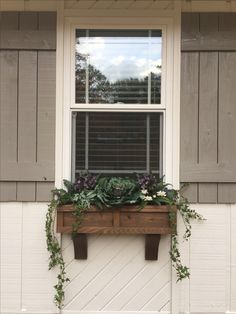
x=117, y=142
x=128, y=74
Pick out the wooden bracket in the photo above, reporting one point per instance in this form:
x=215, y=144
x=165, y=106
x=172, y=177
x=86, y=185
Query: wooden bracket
x=151, y=246
x=80, y=246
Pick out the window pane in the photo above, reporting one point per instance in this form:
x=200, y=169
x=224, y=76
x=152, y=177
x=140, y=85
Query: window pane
x=118, y=66
x=118, y=142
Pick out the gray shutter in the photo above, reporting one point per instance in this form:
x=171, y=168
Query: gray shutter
x=208, y=111
x=27, y=105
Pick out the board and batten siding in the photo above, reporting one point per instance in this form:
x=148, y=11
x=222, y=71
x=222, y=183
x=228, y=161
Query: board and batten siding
x=27, y=105
x=208, y=111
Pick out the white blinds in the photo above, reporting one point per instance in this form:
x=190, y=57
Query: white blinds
x=117, y=142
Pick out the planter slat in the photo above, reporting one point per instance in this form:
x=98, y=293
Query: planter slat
x=151, y=220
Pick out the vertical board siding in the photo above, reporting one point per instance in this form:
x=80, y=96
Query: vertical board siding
x=189, y=107
x=9, y=105
x=208, y=108
x=27, y=106
x=8, y=116
x=227, y=108
x=45, y=111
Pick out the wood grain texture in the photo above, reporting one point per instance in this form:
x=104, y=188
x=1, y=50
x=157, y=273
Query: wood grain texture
x=150, y=220
x=46, y=110
x=9, y=21
x=214, y=164
x=151, y=246
x=28, y=21
x=208, y=107
x=8, y=106
x=27, y=105
x=26, y=191
x=47, y=21
x=190, y=191
x=28, y=30
x=24, y=40
x=27, y=171
x=227, y=108
x=43, y=191
x=8, y=191
x=205, y=172
x=208, y=32
x=80, y=246
x=226, y=193
x=208, y=193
x=189, y=110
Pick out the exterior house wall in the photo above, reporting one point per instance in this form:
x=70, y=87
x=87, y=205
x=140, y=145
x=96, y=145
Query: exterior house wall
x=27, y=105
x=208, y=79
x=115, y=278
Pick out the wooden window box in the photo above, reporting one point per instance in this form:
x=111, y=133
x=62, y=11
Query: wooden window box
x=152, y=220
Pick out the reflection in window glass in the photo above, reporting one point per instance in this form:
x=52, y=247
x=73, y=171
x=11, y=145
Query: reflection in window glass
x=118, y=66
x=108, y=142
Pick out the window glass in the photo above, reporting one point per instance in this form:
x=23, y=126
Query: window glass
x=118, y=66
x=114, y=142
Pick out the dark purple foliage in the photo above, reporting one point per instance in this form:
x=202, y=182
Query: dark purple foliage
x=146, y=181
x=85, y=182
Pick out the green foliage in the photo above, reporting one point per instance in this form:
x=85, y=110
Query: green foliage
x=113, y=192
x=56, y=258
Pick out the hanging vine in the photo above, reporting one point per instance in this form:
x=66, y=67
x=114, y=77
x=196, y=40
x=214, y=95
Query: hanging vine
x=110, y=192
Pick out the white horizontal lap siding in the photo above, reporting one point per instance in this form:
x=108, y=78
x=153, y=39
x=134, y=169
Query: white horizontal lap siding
x=115, y=278
x=212, y=259
x=26, y=283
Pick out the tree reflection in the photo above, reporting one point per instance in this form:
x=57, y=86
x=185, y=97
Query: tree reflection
x=92, y=82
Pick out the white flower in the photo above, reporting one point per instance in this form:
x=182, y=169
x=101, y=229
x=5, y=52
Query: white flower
x=132, y=202
x=148, y=198
x=154, y=196
x=144, y=192
x=161, y=193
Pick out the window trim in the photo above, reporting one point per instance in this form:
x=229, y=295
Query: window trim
x=123, y=107
x=170, y=87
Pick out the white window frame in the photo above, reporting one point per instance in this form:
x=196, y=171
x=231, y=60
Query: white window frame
x=170, y=164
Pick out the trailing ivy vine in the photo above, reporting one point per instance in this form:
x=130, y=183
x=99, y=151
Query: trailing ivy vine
x=56, y=258
x=111, y=192
x=187, y=215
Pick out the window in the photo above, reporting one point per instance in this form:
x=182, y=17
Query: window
x=120, y=142
x=118, y=66
x=121, y=69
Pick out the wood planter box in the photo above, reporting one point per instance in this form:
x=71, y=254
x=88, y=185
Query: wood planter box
x=152, y=220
